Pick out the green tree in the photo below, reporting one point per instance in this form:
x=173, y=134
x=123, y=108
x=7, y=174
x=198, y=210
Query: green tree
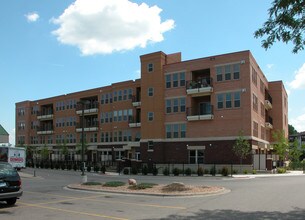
x=286, y=23
x=241, y=147
x=281, y=145
x=291, y=130
x=44, y=153
x=64, y=150
x=295, y=151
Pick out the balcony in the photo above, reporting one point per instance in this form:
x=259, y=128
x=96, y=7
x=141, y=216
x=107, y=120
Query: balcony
x=201, y=87
x=269, y=123
x=134, y=123
x=48, y=129
x=88, y=126
x=89, y=108
x=45, y=115
x=268, y=101
x=136, y=101
x=203, y=112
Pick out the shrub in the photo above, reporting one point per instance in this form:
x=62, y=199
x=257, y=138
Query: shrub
x=166, y=171
x=145, y=170
x=206, y=171
x=114, y=184
x=224, y=171
x=126, y=171
x=134, y=170
x=235, y=171
x=188, y=171
x=200, y=171
x=103, y=169
x=92, y=183
x=281, y=170
x=155, y=171
x=213, y=171
x=176, y=171
x=245, y=171
x=253, y=171
x=88, y=168
x=142, y=186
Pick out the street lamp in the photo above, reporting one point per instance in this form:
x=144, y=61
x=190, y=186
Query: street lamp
x=83, y=103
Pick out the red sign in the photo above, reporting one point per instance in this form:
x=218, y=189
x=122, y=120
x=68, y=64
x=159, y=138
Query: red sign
x=16, y=159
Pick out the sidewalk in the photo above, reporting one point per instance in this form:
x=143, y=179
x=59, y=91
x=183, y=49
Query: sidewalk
x=288, y=173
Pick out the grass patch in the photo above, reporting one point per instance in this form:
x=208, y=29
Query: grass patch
x=175, y=187
x=114, y=184
x=143, y=186
x=91, y=184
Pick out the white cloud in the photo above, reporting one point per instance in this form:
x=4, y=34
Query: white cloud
x=269, y=66
x=299, y=80
x=106, y=26
x=32, y=17
x=298, y=123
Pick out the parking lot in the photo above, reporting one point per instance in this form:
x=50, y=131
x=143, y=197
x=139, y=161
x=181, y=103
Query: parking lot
x=45, y=197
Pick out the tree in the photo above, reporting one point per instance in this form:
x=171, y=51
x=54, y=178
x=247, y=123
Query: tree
x=44, y=153
x=291, y=130
x=281, y=145
x=64, y=150
x=241, y=147
x=286, y=23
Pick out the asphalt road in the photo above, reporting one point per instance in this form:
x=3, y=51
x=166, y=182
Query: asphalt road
x=45, y=197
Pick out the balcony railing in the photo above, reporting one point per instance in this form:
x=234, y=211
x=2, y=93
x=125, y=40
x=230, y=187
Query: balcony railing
x=89, y=108
x=134, y=122
x=47, y=129
x=202, y=112
x=269, y=123
x=136, y=101
x=200, y=87
x=88, y=126
x=45, y=114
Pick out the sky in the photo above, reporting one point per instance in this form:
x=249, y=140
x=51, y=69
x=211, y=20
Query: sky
x=54, y=47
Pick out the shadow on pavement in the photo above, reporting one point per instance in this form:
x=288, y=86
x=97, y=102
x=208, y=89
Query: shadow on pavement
x=296, y=214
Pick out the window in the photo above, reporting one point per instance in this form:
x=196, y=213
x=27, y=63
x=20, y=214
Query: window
x=175, y=105
x=228, y=72
x=150, y=91
x=254, y=76
x=255, y=129
x=176, y=130
x=182, y=104
x=236, y=99
x=182, y=79
x=150, y=116
x=219, y=73
x=115, y=116
x=262, y=110
x=228, y=100
x=220, y=101
x=150, y=145
x=183, y=130
x=196, y=156
x=120, y=115
x=236, y=70
x=255, y=102
x=168, y=129
x=168, y=79
x=120, y=95
x=262, y=87
x=175, y=80
x=150, y=67
x=115, y=96
x=168, y=106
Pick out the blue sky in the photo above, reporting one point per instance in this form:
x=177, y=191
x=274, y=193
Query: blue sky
x=78, y=42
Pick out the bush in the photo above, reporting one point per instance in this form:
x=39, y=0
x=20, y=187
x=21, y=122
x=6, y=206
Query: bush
x=103, y=169
x=176, y=171
x=206, y=171
x=188, y=171
x=145, y=170
x=166, y=171
x=142, y=186
x=235, y=171
x=245, y=171
x=88, y=168
x=155, y=171
x=281, y=170
x=114, y=184
x=200, y=171
x=126, y=171
x=213, y=171
x=134, y=170
x=224, y=171
x=96, y=168
x=254, y=172
x=92, y=183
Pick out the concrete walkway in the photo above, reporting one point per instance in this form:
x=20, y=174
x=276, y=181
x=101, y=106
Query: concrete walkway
x=288, y=173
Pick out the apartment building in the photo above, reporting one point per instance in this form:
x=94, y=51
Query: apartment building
x=178, y=112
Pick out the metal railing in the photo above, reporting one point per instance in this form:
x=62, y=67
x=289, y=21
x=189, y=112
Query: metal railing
x=199, y=83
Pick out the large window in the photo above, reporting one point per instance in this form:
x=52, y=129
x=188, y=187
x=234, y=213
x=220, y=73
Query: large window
x=219, y=73
x=227, y=72
x=168, y=79
x=175, y=105
x=236, y=99
x=175, y=130
x=220, y=100
x=196, y=156
x=175, y=80
x=255, y=102
x=228, y=100
x=236, y=70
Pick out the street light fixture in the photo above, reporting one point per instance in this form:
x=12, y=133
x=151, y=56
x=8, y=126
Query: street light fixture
x=83, y=103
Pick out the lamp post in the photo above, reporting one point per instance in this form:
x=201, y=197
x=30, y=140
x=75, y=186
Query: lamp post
x=84, y=177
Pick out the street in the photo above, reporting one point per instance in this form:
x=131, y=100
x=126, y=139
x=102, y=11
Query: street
x=45, y=197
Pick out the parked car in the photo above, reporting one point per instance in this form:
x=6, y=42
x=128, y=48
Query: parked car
x=10, y=184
